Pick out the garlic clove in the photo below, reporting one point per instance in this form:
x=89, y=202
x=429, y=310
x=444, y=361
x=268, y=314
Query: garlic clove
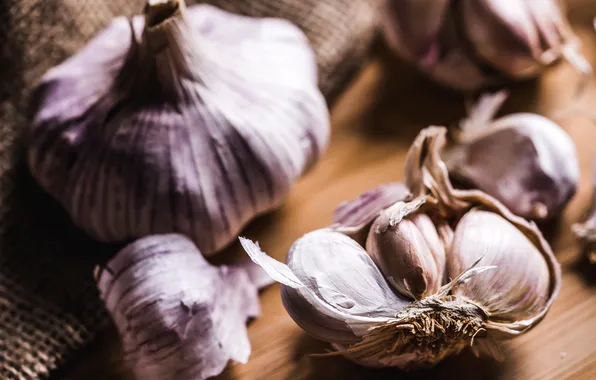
x=435, y=240
x=534, y=160
x=519, y=286
x=330, y=286
x=400, y=250
x=177, y=314
x=504, y=34
x=344, y=276
x=354, y=217
x=474, y=44
x=420, y=22
x=192, y=120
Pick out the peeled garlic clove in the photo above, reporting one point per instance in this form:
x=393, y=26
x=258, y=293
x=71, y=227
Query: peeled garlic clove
x=519, y=286
x=524, y=160
x=354, y=217
x=330, y=285
x=400, y=250
x=178, y=316
x=192, y=120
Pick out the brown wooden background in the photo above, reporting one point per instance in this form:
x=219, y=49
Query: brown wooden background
x=373, y=125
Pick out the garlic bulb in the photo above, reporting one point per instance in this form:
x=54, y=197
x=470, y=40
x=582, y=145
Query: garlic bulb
x=524, y=160
x=586, y=230
x=178, y=316
x=443, y=269
x=189, y=120
x=471, y=44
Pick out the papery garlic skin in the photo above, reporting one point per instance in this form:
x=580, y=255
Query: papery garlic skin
x=526, y=161
x=471, y=44
x=194, y=125
x=178, y=316
x=502, y=276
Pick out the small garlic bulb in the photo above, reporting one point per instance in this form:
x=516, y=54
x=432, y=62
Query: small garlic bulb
x=178, y=316
x=189, y=120
x=524, y=160
x=443, y=269
x=471, y=44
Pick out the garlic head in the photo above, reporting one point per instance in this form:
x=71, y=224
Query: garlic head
x=189, y=120
x=389, y=304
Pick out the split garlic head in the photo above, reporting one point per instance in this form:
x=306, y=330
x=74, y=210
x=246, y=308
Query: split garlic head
x=179, y=317
x=526, y=161
x=470, y=44
x=189, y=120
x=442, y=269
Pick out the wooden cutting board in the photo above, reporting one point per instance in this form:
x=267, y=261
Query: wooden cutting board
x=373, y=126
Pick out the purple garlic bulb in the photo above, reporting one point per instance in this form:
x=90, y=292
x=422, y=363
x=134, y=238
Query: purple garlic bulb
x=188, y=120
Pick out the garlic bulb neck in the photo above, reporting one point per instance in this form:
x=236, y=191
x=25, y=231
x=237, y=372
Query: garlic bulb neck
x=169, y=46
x=158, y=11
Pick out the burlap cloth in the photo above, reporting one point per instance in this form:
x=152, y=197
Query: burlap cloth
x=49, y=306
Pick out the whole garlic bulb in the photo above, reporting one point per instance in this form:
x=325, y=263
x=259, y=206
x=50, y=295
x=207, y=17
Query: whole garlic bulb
x=443, y=269
x=524, y=160
x=470, y=44
x=178, y=316
x=189, y=120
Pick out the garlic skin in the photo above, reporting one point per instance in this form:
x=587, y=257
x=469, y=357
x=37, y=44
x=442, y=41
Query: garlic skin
x=524, y=160
x=515, y=289
x=502, y=276
x=472, y=44
x=189, y=120
x=178, y=316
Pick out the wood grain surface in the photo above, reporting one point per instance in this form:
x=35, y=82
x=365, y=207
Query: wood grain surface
x=373, y=126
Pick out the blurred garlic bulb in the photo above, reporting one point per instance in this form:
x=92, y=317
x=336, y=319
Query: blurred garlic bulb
x=178, y=316
x=443, y=269
x=189, y=120
x=586, y=230
x=524, y=160
x=470, y=44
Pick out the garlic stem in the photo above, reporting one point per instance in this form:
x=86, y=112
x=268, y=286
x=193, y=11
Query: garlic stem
x=158, y=11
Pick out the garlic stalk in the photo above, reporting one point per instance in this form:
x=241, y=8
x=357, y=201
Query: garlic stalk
x=586, y=230
x=178, y=316
x=524, y=160
x=443, y=269
x=470, y=44
x=189, y=120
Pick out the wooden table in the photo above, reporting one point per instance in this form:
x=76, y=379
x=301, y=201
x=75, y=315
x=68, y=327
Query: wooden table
x=373, y=125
